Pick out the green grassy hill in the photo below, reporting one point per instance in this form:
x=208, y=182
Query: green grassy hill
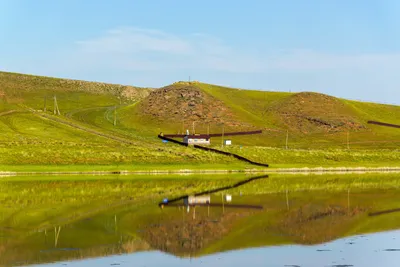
x=83, y=133
x=311, y=120
x=108, y=124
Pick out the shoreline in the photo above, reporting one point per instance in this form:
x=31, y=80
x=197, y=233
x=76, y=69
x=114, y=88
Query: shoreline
x=301, y=170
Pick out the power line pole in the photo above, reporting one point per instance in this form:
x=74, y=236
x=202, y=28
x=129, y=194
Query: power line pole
x=193, y=127
x=223, y=204
x=45, y=102
x=56, y=110
x=55, y=103
x=115, y=115
x=223, y=129
x=287, y=199
x=287, y=138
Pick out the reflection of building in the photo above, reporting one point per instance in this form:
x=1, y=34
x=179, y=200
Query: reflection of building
x=198, y=139
x=193, y=200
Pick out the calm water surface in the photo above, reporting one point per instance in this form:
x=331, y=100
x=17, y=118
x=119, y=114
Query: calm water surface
x=279, y=220
x=372, y=250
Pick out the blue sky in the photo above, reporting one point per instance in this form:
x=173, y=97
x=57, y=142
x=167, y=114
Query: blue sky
x=344, y=48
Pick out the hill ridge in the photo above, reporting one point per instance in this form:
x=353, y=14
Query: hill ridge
x=30, y=82
x=310, y=119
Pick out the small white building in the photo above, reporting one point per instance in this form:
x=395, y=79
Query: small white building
x=193, y=200
x=227, y=142
x=228, y=198
x=197, y=139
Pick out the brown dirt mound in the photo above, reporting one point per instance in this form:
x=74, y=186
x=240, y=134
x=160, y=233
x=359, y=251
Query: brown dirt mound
x=312, y=112
x=186, y=102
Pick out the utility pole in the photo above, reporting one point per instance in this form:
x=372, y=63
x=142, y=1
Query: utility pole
x=193, y=127
x=287, y=199
x=348, y=200
x=56, y=235
x=208, y=129
x=223, y=204
x=45, y=102
x=287, y=138
x=115, y=115
x=115, y=223
x=223, y=129
x=55, y=103
x=56, y=110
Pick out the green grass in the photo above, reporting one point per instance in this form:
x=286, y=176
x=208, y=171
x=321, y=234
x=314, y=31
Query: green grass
x=280, y=158
x=258, y=108
x=249, y=104
x=134, y=167
x=80, y=137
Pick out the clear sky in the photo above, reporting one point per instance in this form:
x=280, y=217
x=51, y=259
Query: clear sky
x=344, y=48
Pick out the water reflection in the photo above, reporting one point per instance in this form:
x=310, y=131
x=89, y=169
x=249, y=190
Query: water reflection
x=358, y=251
x=298, y=223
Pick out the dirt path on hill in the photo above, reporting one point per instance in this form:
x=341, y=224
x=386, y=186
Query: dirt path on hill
x=9, y=112
x=82, y=128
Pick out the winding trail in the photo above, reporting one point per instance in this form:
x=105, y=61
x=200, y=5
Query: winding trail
x=9, y=112
x=80, y=127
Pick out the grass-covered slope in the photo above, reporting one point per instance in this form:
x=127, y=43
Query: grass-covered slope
x=115, y=124
x=310, y=120
x=83, y=133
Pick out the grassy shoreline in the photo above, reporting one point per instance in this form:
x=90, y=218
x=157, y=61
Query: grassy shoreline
x=179, y=169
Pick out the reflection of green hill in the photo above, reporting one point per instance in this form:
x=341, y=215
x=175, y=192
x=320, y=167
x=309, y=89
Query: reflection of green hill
x=182, y=235
x=36, y=250
x=312, y=219
x=83, y=208
x=109, y=216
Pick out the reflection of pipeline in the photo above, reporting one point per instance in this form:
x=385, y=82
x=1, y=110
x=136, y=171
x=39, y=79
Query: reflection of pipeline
x=383, y=212
x=216, y=190
x=215, y=151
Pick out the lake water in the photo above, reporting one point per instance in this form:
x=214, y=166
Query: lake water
x=276, y=220
x=365, y=251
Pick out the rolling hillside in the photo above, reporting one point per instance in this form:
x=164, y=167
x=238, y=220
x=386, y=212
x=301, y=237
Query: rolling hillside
x=83, y=133
x=100, y=123
x=311, y=120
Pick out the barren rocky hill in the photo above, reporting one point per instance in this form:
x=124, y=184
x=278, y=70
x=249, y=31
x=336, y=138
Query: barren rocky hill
x=186, y=102
x=304, y=112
